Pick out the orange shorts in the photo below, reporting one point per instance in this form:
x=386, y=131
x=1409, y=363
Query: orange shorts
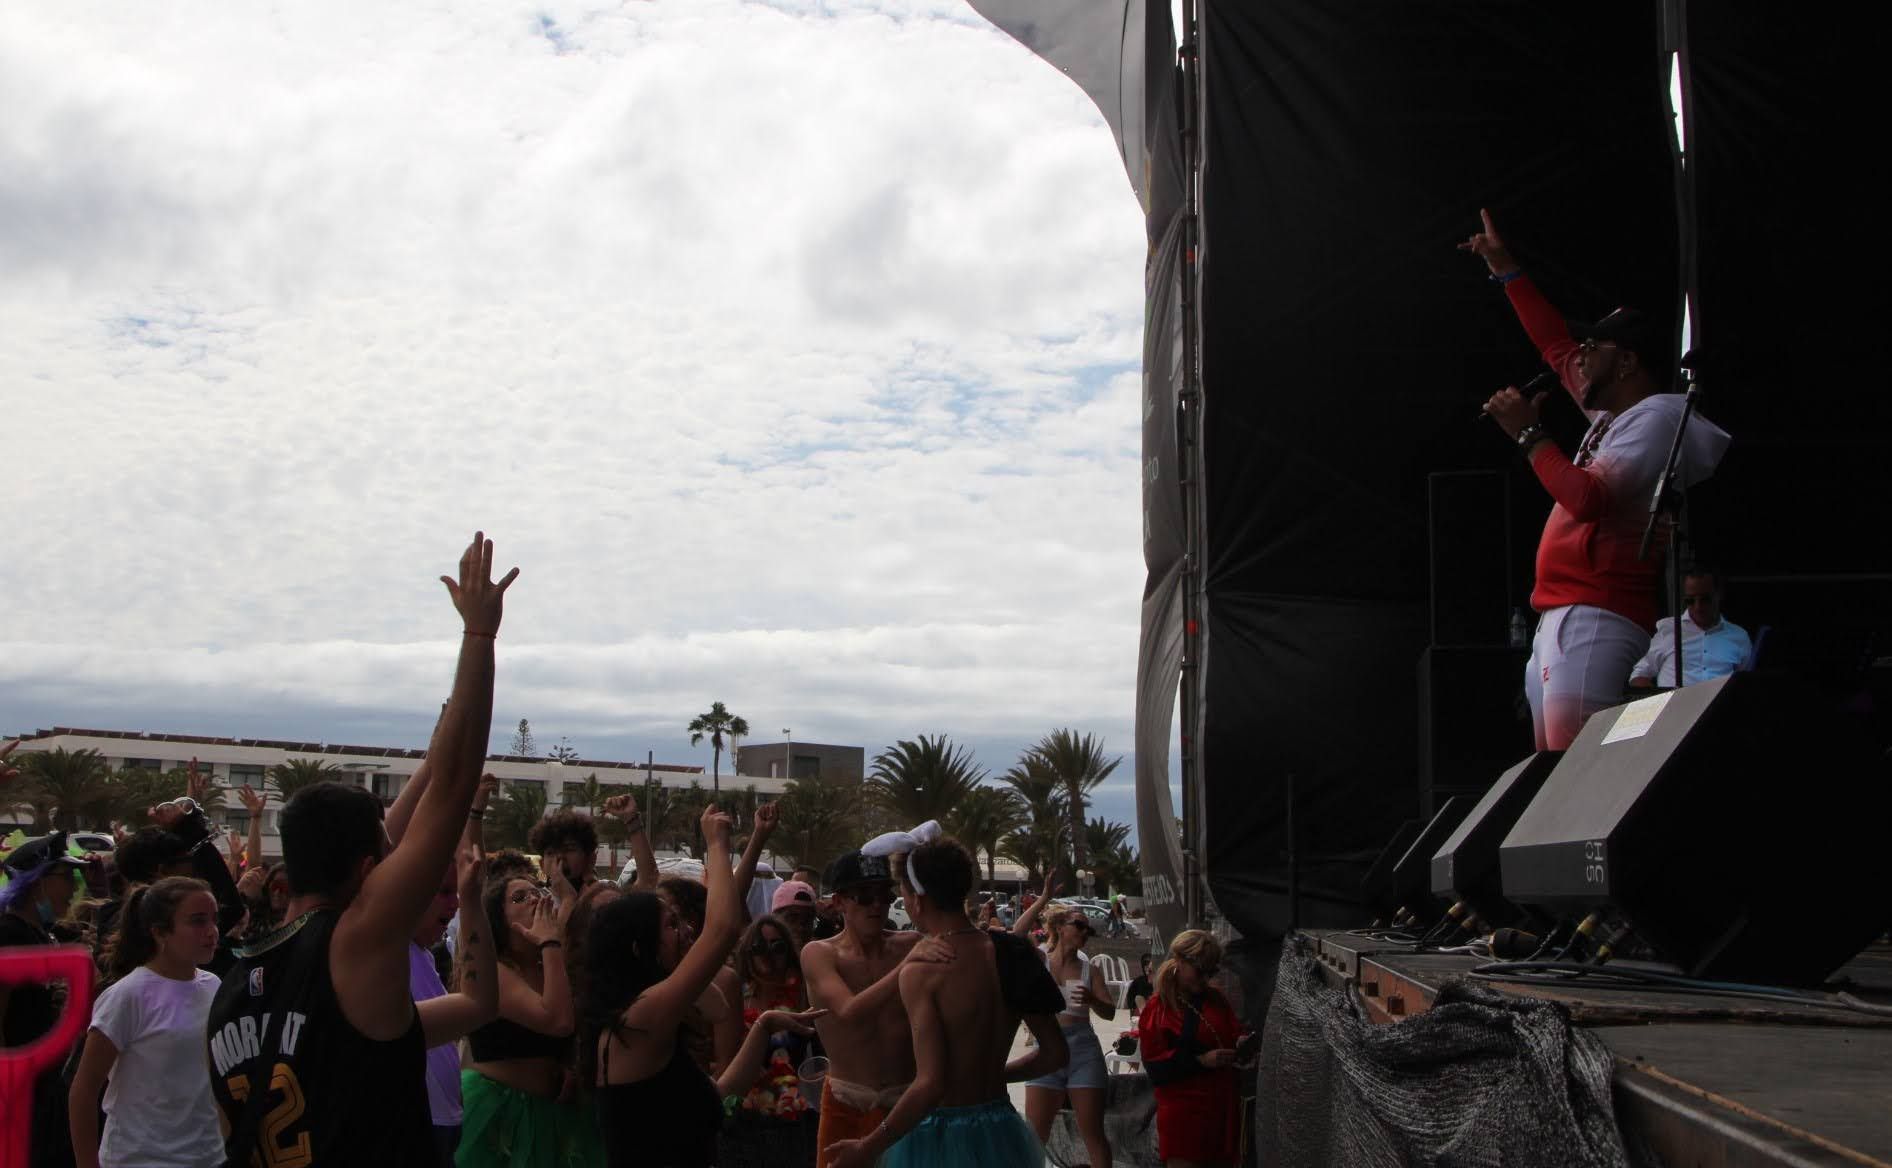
x=840, y=1122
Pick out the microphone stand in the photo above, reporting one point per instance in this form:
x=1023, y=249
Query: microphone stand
x=1668, y=497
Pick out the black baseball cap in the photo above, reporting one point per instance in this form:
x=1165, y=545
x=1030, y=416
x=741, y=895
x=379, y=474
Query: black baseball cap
x=853, y=868
x=1634, y=330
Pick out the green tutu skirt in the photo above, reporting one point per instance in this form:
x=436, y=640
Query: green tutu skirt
x=989, y=1135
x=505, y=1128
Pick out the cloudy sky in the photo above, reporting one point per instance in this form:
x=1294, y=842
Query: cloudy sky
x=790, y=349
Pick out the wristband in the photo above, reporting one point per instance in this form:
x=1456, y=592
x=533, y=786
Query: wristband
x=472, y=633
x=475, y=813
x=1529, y=436
x=554, y=943
x=1509, y=276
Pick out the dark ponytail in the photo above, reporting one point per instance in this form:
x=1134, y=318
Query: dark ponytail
x=149, y=907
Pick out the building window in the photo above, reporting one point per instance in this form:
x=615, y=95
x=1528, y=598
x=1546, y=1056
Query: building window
x=246, y=774
x=145, y=764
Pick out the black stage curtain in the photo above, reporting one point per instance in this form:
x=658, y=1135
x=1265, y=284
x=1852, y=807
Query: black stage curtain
x=1346, y=346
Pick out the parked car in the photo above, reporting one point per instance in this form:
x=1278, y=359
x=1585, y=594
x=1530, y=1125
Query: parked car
x=897, y=913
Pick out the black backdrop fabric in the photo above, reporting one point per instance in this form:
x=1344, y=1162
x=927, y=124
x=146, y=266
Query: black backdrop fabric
x=1346, y=345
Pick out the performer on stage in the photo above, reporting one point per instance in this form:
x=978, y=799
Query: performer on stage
x=1596, y=601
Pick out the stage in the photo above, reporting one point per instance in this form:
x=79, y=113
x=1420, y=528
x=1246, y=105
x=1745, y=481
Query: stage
x=1695, y=1079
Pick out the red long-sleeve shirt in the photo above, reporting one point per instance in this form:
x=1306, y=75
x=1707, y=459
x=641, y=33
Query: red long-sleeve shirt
x=1587, y=554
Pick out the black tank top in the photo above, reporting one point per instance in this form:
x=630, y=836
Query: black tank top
x=666, y=1121
x=334, y=1096
x=503, y=1039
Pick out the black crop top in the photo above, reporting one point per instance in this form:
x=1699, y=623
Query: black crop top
x=666, y=1121
x=500, y=1039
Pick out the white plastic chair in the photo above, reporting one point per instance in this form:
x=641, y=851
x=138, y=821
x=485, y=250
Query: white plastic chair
x=1115, y=1063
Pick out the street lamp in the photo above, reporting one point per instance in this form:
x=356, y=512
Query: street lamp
x=788, y=754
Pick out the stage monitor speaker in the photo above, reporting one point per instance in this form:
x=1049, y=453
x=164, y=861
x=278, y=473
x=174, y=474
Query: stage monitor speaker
x=1376, y=890
x=1411, y=883
x=1738, y=825
x=1465, y=868
x=1472, y=721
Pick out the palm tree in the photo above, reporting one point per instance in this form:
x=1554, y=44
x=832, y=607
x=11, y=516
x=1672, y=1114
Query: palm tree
x=983, y=819
x=922, y=779
x=514, y=809
x=67, y=786
x=1038, y=845
x=821, y=818
x=716, y=725
x=136, y=790
x=292, y=775
x=1080, y=765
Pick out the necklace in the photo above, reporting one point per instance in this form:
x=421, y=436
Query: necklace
x=1213, y=1028
x=956, y=933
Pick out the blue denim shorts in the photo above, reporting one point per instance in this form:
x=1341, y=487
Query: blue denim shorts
x=1086, y=1068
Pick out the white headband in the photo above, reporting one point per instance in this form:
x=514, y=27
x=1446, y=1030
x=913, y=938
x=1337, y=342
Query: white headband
x=894, y=843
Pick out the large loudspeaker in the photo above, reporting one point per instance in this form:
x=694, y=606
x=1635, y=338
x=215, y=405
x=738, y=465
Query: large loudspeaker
x=1465, y=867
x=1736, y=824
x=1411, y=874
x=1376, y=890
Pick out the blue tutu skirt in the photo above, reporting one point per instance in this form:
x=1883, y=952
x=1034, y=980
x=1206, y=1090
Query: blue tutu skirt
x=988, y=1135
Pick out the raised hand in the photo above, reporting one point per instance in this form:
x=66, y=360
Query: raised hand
x=767, y=816
x=7, y=772
x=624, y=808
x=716, y=825
x=1487, y=245
x=483, y=793
x=251, y=800
x=197, y=784
x=470, y=867
x=563, y=894
x=480, y=602
x=1051, y=885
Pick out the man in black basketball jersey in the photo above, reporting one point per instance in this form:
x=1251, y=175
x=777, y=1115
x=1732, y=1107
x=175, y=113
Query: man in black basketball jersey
x=316, y=1053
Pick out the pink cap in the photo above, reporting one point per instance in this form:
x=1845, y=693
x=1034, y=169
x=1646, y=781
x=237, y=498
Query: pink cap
x=792, y=892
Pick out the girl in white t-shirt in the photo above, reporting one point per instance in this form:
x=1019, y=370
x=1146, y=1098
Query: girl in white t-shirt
x=147, y=1037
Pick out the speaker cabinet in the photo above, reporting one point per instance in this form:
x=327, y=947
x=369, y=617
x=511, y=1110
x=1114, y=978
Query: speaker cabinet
x=1376, y=890
x=1465, y=868
x=1411, y=872
x=1737, y=824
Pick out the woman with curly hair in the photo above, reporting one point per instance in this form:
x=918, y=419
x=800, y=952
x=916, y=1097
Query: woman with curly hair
x=655, y=1106
x=1189, y=1035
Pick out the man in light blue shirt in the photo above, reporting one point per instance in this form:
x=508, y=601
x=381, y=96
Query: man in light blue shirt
x=1711, y=646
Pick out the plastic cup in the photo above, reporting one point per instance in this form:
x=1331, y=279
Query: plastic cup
x=813, y=1073
x=1074, y=994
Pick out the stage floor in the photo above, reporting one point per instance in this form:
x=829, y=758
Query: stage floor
x=1702, y=1080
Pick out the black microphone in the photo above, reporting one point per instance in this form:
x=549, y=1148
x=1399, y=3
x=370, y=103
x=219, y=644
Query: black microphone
x=1543, y=380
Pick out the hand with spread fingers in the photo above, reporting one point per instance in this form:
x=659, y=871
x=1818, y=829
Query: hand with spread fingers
x=252, y=800
x=480, y=602
x=7, y=771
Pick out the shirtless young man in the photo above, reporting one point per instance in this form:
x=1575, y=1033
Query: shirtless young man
x=963, y=1015
x=855, y=978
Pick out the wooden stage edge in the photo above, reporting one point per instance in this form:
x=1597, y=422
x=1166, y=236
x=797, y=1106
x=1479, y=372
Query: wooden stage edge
x=1701, y=1081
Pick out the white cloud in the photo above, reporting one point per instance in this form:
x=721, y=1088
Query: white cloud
x=790, y=350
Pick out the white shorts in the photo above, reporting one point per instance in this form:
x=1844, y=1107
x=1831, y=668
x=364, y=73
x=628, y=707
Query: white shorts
x=1580, y=663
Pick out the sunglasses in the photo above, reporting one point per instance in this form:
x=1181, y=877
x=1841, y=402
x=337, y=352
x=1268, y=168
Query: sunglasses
x=775, y=948
x=868, y=896
x=1206, y=970
x=522, y=895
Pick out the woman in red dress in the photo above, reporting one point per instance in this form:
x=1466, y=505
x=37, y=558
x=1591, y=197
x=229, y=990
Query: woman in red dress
x=1188, y=1035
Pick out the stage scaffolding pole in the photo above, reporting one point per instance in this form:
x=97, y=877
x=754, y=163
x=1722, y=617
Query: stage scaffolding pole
x=1189, y=467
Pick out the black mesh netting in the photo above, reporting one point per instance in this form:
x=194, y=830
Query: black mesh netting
x=1478, y=1079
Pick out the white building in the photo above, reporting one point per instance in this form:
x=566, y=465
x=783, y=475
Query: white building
x=234, y=762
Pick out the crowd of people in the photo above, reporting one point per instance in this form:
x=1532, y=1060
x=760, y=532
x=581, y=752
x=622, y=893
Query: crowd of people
x=391, y=994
